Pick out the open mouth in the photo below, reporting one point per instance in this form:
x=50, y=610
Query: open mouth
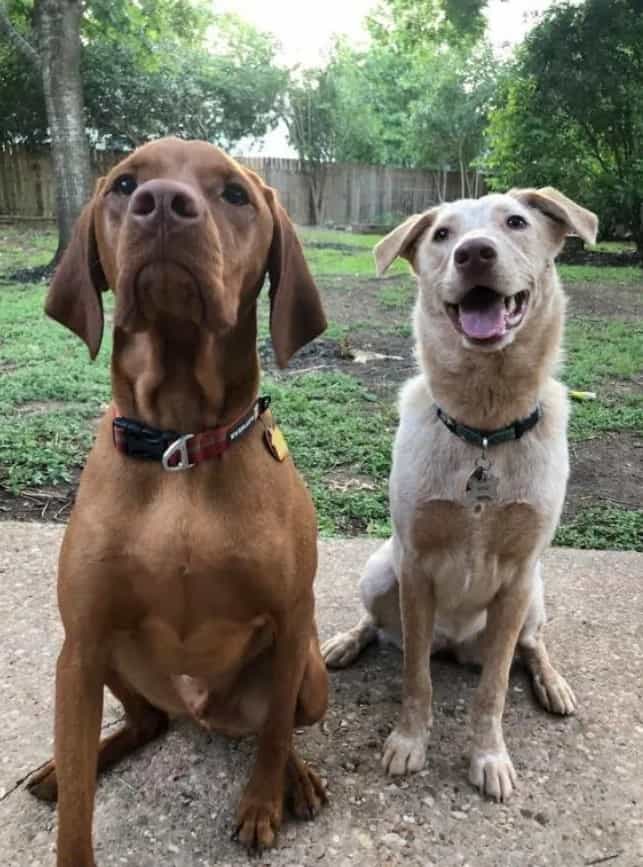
x=485, y=316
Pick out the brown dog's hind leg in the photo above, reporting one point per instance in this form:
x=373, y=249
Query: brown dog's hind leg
x=143, y=723
x=304, y=794
x=312, y=700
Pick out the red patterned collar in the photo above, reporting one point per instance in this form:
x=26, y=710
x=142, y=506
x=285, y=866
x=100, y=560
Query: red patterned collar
x=177, y=451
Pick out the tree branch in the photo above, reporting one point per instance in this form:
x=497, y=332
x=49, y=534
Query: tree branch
x=16, y=39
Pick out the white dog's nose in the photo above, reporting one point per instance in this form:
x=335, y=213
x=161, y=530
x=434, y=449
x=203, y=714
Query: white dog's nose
x=475, y=254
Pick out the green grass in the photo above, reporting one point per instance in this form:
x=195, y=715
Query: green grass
x=599, y=352
x=604, y=528
x=397, y=297
x=312, y=236
x=613, y=247
x=40, y=362
x=629, y=275
x=26, y=245
x=354, y=259
x=359, y=263
x=344, y=456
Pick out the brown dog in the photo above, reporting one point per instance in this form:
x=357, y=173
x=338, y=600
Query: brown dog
x=186, y=592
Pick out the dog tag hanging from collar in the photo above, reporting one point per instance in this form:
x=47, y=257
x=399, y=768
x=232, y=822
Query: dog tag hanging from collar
x=276, y=442
x=482, y=485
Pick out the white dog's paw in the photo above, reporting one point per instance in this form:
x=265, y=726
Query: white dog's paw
x=404, y=754
x=554, y=693
x=493, y=774
x=342, y=649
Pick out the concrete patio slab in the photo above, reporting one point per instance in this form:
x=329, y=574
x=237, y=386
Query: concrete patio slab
x=580, y=795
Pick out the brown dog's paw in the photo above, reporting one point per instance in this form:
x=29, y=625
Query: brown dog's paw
x=44, y=783
x=257, y=824
x=305, y=792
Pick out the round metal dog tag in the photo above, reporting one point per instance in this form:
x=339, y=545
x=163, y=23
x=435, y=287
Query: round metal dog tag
x=482, y=486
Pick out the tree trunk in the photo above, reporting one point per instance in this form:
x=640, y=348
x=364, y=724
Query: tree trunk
x=58, y=30
x=463, y=180
x=316, y=184
x=637, y=228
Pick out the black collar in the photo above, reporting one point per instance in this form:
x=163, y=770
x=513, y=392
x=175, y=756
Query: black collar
x=484, y=438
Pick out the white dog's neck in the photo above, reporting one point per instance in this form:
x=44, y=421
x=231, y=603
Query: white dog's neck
x=490, y=390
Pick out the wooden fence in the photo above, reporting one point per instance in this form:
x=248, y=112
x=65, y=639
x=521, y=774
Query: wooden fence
x=352, y=193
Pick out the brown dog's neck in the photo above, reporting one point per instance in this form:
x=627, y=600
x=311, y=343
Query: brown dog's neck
x=491, y=390
x=178, y=376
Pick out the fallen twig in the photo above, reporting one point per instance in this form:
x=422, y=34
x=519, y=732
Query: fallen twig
x=603, y=859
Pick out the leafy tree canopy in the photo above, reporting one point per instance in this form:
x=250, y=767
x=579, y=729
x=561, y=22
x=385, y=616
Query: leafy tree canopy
x=413, y=23
x=572, y=110
x=153, y=68
x=419, y=107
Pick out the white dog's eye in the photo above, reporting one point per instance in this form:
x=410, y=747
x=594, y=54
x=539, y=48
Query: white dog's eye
x=441, y=234
x=515, y=221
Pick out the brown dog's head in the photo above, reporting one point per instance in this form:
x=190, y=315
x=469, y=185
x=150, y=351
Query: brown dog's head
x=484, y=266
x=180, y=230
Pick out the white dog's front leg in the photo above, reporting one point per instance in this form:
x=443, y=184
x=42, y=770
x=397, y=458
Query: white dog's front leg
x=405, y=748
x=491, y=769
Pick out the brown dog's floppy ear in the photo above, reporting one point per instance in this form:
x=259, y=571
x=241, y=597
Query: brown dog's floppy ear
x=568, y=217
x=74, y=297
x=296, y=312
x=402, y=240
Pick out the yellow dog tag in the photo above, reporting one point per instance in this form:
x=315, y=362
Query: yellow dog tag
x=277, y=445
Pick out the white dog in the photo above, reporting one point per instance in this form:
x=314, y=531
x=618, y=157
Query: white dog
x=480, y=465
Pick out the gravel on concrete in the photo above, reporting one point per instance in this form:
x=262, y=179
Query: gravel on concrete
x=580, y=796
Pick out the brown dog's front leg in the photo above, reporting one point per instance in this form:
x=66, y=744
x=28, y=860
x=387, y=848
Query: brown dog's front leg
x=491, y=769
x=405, y=748
x=79, y=709
x=261, y=807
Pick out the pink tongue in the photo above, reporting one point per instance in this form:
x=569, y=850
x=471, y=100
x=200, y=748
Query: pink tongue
x=483, y=322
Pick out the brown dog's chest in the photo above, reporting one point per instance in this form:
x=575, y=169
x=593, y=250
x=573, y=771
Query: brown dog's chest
x=229, y=540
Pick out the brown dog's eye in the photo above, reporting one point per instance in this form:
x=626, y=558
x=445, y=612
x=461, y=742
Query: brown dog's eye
x=441, y=234
x=235, y=194
x=515, y=221
x=125, y=185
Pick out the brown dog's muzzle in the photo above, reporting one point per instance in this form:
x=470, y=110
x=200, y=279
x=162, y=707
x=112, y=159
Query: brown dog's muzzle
x=174, y=263
x=165, y=205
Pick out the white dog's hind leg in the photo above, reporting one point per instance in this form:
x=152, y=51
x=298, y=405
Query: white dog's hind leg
x=380, y=597
x=551, y=688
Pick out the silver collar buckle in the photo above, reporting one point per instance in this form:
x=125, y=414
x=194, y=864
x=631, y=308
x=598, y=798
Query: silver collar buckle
x=178, y=447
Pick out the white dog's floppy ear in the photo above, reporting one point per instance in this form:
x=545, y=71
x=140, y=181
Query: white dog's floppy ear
x=402, y=240
x=568, y=217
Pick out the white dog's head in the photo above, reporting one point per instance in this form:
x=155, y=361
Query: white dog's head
x=485, y=266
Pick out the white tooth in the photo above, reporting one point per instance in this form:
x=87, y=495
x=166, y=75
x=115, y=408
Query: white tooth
x=510, y=303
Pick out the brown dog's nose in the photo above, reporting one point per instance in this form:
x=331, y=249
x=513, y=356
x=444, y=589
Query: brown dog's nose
x=475, y=253
x=170, y=201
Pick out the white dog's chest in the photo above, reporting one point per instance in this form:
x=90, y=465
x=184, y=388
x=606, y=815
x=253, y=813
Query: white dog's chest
x=469, y=551
x=469, y=546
